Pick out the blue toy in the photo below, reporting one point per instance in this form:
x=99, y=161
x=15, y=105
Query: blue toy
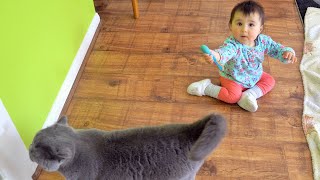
x=206, y=50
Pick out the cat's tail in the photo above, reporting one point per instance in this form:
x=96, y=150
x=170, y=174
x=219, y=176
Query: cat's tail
x=211, y=130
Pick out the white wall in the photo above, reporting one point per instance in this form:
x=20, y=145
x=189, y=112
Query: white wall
x=14, y=157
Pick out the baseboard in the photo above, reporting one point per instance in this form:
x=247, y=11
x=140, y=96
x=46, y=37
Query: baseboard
x=72, y=74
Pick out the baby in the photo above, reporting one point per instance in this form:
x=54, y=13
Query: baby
x=240, y=58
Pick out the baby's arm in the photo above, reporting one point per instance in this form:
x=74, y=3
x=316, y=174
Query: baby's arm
x=211, y=56
x=222, y=55
x=278, y=51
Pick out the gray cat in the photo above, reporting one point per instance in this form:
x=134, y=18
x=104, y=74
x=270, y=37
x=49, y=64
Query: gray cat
x=168, y=152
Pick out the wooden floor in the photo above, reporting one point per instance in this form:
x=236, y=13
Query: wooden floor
x=138, y=72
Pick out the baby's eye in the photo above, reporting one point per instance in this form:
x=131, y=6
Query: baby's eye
x=239, y=24
x=251, y=25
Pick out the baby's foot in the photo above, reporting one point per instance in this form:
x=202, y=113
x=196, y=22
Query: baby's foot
x=197, y=88
x=248, y=102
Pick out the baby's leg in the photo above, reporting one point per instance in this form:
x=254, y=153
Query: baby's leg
x=229, y=91
x=266, y=83
x=249, y=97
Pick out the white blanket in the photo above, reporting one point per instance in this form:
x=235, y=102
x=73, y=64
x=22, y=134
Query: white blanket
x=310, y=70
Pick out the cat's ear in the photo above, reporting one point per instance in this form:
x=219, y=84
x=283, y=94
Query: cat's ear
x=63, y=120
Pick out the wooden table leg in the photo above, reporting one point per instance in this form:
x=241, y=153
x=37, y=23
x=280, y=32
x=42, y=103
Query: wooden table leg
x=135, y=9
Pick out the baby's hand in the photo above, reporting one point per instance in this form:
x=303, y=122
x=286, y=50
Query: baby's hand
x=217, y=58
x=289, y=56
x=208, y=58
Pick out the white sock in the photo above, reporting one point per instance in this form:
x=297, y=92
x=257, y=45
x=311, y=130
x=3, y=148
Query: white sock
x=212, y=90
x=248, y=100
x=197, y=88
x=255, y=91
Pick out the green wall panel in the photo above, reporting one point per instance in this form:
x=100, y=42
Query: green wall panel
x=39, y=40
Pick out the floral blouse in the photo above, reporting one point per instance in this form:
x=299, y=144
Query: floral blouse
x=243, y=64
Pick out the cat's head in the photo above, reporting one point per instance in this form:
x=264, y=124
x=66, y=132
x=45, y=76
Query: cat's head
x=53, y=146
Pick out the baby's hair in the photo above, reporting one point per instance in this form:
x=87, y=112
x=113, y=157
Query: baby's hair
x=248, y=7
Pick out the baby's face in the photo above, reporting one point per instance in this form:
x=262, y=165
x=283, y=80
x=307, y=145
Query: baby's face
x=246, y=28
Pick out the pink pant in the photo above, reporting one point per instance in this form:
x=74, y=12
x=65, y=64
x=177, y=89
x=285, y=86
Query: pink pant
x=231, y=91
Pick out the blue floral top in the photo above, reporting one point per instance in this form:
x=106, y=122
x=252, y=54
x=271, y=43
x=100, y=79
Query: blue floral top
x=243, y=64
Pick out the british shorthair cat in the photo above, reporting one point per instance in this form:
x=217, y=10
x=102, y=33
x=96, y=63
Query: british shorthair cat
x=167, y=152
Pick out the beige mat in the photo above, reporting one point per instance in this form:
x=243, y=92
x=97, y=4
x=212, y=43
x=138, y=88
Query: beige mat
x=310, y=70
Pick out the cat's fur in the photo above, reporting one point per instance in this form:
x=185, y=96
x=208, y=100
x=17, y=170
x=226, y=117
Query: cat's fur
x=166, y=152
